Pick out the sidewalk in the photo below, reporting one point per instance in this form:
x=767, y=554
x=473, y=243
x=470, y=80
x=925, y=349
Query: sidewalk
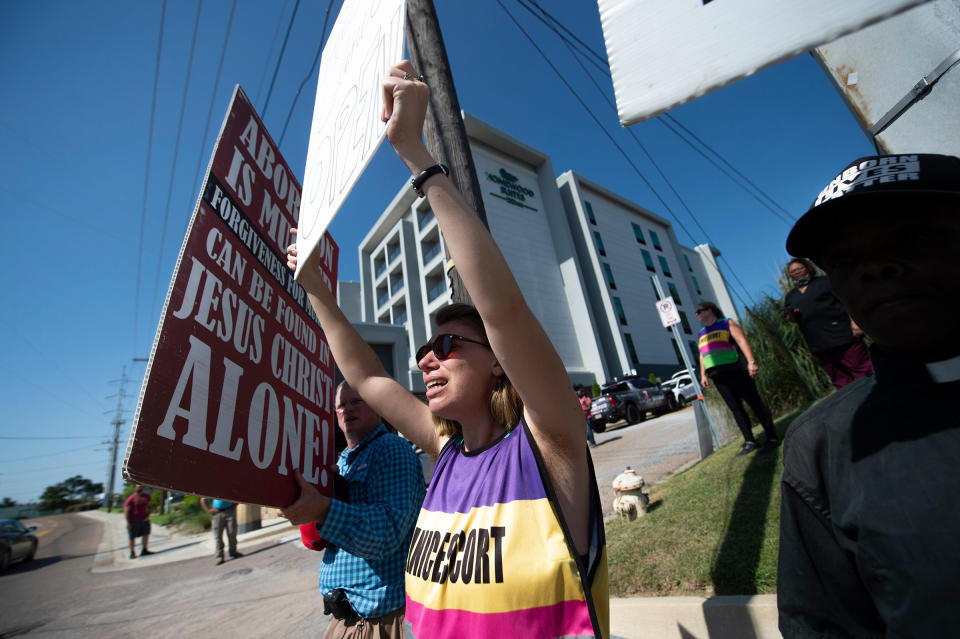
x=169, y=546
x=741, y=617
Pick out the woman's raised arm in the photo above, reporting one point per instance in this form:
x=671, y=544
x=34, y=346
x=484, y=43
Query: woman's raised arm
x=360, y=365
x=519, y=342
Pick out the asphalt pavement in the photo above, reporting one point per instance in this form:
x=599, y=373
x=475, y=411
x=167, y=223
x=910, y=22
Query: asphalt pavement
x=657, y=449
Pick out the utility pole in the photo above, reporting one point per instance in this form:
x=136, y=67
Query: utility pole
x=117, y=422
x=443, y=131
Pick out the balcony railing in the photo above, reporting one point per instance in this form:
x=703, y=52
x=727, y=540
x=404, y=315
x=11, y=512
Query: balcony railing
x=436, y=290
x=431, y=253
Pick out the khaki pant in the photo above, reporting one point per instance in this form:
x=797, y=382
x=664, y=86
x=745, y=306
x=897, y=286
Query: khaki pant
x=389, y=626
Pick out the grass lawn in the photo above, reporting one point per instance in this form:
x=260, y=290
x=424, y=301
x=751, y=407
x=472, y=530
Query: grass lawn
x=713, y=529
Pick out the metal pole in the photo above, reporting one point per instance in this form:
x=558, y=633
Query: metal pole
x=117, y=422
x=706, y=433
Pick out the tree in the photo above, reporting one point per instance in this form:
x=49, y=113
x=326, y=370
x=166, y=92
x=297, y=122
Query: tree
x=74, y=490
x=7, y=503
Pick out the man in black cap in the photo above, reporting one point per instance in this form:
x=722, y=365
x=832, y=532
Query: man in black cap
x=869, y=517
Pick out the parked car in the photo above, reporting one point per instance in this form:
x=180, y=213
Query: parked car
x=16, y=542
x=682, y=388
x=630, y=399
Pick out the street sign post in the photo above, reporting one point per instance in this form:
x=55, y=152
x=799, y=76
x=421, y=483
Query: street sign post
x=238, y=393
x=670, y=316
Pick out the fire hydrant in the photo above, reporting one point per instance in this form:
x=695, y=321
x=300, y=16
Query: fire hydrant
x=631, y=502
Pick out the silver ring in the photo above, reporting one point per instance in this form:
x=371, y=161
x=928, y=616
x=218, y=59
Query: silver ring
x=408, y=76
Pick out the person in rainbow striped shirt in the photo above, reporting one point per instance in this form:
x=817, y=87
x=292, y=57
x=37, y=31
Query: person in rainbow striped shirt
x=720, y=363
x=510, y=536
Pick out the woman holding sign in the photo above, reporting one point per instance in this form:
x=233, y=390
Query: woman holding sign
x=510, y=534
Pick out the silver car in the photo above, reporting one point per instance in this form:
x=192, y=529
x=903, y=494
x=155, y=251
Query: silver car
x=682, y=388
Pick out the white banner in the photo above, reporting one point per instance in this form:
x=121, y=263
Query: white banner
x=663, y=53
x=365, y=42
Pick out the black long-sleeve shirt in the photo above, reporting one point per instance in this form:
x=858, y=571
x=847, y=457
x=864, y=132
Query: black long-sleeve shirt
x=870, y=514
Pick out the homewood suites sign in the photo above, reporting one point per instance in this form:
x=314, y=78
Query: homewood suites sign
x=510, y=189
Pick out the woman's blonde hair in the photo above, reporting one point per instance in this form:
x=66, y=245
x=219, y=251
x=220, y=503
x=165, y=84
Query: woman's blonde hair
x=506, y=408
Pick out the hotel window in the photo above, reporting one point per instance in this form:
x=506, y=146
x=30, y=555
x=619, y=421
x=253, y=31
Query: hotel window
x=424, y=217
x=638, y=233
x=664, y=265
x=599, y=241
x=606, y=269
x=656, y=241
x=648, y=260
x=694, y=351
x=687, y=260
x=674, y=293
x=593, y=220
x=619, y=308
x=696, y=285
x=631, y=350
x=393, y=250
x=685, y=323
x=379, y=265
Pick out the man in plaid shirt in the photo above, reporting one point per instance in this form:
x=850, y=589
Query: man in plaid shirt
x=369, y=529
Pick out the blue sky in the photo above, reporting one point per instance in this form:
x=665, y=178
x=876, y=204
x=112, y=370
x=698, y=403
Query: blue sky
x=83, y=293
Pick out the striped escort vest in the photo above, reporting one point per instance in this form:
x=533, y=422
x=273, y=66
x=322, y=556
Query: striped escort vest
x=491, y=555
x=717, y=346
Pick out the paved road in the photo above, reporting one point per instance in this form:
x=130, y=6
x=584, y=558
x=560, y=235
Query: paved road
x=271, y=591
x=82, y=585
x=656, y=448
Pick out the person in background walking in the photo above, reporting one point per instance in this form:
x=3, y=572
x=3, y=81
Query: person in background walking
x=721, y=363
x=224, y=514
x=825, y=325
x=585, y=403
x=136, y=509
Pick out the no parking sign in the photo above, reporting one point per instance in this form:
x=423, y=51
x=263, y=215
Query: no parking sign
x=669, y=314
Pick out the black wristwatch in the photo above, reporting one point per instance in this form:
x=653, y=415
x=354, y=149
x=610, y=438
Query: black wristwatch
x=425, y=175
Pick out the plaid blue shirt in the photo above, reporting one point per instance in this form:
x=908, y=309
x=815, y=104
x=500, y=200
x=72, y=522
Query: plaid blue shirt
x=370, y=535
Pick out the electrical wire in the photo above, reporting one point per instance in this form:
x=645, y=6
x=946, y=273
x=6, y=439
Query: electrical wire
x=310, y=74
x=601, y=63
x=59, y=438
x=602, y=128
x=213, y=97
x=266, y=103
x=176, y=154
x=146, y=179
x=632, y=134
x=266, y=58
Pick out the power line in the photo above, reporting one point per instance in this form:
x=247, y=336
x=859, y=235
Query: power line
x=67, y=216
x=601, y=63
x=310, y=74
x=62, y=452
x=176, y=153
x=146, y=179
x=610, y=137
x=266, y=58
x=213, y=97
x=266, y=103
x=666, y=180
x=59, y=438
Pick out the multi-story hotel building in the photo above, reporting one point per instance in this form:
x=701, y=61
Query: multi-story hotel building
x=582, y=255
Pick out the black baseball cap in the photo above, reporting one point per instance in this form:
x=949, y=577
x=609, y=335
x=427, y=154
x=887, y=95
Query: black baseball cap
x=865, y=179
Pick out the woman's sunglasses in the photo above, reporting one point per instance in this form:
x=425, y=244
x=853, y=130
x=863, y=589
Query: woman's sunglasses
x=442, y=345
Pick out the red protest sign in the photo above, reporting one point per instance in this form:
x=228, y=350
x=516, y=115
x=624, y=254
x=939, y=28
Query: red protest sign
x=238, y=393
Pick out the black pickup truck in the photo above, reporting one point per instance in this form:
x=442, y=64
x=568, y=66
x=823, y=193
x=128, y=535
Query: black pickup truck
x=628, y=399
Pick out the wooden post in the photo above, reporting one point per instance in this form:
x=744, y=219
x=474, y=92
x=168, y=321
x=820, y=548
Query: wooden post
x=443, y=131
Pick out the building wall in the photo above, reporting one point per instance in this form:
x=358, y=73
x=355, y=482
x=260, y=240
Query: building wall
x=544, y=229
